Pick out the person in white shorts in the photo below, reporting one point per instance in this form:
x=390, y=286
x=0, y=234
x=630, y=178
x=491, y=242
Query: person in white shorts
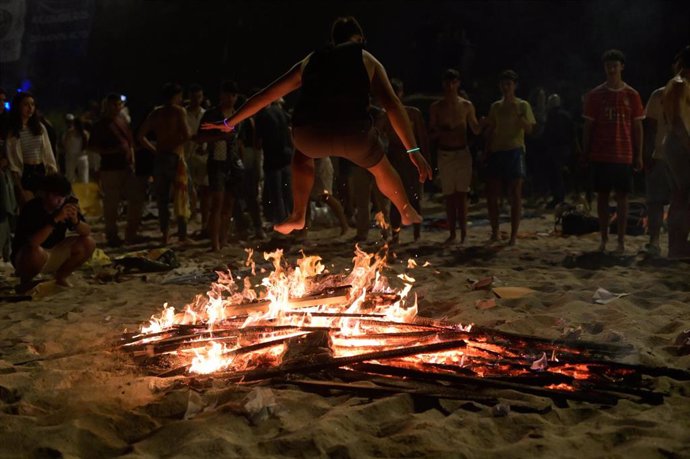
x=449, y=119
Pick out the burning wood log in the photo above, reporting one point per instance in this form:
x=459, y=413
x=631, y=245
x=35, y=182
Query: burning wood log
x=375, y=335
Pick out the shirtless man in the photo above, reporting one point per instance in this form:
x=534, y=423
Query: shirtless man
x=331, y=119
x=449, y=119
x=169, y=125
x=676, y=106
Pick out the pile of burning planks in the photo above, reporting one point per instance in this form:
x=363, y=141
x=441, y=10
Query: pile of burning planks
x=337, y=348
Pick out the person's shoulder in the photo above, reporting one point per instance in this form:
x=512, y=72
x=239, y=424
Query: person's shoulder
x=676, y=83
x=658, y=93
x=370, y=58
x=465, y=102
x=630, y=90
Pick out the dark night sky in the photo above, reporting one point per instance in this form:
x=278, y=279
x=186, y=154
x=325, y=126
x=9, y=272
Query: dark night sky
x=135, y=46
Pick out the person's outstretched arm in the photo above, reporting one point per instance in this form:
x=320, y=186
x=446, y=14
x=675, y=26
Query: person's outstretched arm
x=287, y=83
x=383, y=92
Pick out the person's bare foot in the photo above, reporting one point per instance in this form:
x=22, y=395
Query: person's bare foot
x=620, y=249
x=494, y=238
x=602, y=246
x=63, y=282
x=410, y=215
x=292, y=223
x=512, y=242
x=450, y=240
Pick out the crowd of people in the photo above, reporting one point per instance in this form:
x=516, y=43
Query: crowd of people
x=244, y=166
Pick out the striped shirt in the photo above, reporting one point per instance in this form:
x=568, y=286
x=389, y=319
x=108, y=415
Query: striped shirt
x=31, y=145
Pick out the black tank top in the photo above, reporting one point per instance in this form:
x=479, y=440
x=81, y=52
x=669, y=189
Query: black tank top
x=335, y=88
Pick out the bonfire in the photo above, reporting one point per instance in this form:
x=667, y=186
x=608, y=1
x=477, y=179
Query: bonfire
x=301, y=323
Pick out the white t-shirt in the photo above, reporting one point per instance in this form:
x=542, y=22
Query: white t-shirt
x=655, y=111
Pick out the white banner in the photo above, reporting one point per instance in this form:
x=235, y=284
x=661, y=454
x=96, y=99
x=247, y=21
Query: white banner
x=12, y=14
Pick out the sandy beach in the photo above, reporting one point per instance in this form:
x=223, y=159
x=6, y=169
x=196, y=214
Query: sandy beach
x=64, y=392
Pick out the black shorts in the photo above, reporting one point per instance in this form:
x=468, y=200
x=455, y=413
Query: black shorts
x=224, y=178
x=607, y=177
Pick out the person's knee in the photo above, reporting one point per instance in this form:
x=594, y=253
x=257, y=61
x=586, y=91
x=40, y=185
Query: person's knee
x=31, y=257
x=83, y=246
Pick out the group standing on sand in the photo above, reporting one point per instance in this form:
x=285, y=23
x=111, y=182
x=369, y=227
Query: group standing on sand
x=332, y=118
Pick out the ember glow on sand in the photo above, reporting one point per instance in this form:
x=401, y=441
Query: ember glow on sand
x=301, y=318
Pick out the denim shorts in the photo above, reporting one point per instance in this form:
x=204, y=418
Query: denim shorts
x=506, y=165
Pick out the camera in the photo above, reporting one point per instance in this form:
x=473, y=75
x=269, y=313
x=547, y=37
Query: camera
x=71, y=200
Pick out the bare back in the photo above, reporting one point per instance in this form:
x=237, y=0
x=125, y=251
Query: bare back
x=169, y=124
x=676, y=104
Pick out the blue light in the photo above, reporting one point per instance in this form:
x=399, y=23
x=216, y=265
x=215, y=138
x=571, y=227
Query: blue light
x=7, y=106
x=24, y=86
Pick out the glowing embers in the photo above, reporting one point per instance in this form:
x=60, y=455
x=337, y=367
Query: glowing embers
x=289, y=301
x=301, y=319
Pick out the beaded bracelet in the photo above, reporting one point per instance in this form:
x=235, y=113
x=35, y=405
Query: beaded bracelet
x=413, y=150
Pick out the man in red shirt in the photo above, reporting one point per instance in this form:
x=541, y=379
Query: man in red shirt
x=612, y=143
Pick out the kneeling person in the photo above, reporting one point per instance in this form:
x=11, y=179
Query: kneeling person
x=41, y=245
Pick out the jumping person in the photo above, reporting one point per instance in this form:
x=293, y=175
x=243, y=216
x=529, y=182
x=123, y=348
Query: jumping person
x=331, y=118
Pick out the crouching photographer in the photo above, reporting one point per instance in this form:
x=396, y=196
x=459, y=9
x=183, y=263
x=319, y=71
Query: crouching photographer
x=41, y=244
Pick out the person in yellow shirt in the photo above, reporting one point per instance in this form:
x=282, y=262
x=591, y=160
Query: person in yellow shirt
x=508, y=121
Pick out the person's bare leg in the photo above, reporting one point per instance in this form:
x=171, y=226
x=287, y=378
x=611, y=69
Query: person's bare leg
x=80, y=253
x=493, y=189
x=603, y=214
x=29, y=262
x=655, y=215
x=515, y=209
x=214, y=220
x=462, y=216
x=302, y=183
x=337, y=209
x=204, y=206
x=225, y=217
x=622, y=212
x=678, y=246
x=452, y=206
x=389, y=183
